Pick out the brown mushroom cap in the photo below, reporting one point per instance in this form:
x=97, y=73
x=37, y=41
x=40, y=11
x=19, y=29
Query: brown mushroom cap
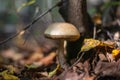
x=62, y=30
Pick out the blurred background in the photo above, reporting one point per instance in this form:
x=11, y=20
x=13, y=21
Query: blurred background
x=16, y=14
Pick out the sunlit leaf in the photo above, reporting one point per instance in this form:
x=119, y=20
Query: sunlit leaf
x=92, y=43
x=54, y=71
x=46, y=60
x=32, y=66
x=115, y=52
x=89, y=44
x=26, y=4
x=7, y=76
x=45, y=74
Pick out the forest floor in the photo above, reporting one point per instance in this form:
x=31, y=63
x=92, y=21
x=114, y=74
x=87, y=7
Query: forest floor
x=101, y=61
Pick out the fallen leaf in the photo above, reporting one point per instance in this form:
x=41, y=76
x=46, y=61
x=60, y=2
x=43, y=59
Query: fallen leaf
x=108, y=69
x=11, y=69
x=116, y=53
x=7, y=76
x=44, y=74
x=109, y=57
x=11, y=54
x=36, y=56
x=107, y=43
x=89, y=44
x=32, y=66
x=47, y=60
x=54, y=71
x=89, y=78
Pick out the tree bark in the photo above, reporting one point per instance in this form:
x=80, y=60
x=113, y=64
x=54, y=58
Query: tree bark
x=75, y=12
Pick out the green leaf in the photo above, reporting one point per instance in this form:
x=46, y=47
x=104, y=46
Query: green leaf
x=26, y=4
x=32, y=66
x=111, y=4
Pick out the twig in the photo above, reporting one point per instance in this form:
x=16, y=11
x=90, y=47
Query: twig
x=30, y=25
x=72, y=65
x=109, y=35
x=76, y=61
x=94, y=32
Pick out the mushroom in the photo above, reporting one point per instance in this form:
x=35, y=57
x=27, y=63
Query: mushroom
x=62, y=31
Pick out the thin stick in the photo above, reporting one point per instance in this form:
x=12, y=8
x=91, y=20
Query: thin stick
x=94, y=32
x=30, y=25
x=73, y=64
x=77, y=61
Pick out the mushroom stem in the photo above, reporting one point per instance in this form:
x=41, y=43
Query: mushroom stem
x=61, y=57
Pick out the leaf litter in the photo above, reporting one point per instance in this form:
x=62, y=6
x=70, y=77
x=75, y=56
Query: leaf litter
x=103, y=62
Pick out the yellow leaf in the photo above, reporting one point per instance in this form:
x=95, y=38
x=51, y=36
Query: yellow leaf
x=26, y=4
x=54, y=71
x=31, y=2
x=7, y=76
x=115, y=52
x=89, y=44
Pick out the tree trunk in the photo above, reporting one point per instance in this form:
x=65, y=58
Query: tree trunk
x=75, y=12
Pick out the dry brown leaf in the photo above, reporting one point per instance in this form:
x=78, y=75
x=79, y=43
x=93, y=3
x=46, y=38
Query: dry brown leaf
x=44, y=74
x=108, y=43
x=47, y=60
x=89, y=78
x=11, y=54
x=102, y=57
x=36, y=56
x=108, y=69
x=110, y=57
x=33, y=58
